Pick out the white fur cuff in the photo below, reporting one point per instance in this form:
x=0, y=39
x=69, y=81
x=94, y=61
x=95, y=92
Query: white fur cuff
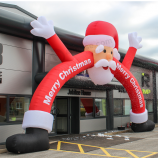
x=104, y=40
x=38, y=119
x=139, y=118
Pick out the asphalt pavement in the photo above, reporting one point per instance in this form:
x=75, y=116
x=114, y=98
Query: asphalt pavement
x=118, y=144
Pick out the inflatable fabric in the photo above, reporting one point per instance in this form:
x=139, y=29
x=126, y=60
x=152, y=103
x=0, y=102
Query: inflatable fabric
x=101, y=58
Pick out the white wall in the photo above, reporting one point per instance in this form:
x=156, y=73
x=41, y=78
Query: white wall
x=51, y=59
x=8, y=130
x=121, y=121
x=92, y=125
x=151, y=117
x=16, y=66
x=118, y=121
x=117, y=94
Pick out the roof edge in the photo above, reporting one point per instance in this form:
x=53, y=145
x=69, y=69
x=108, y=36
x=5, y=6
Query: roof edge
x=18, y=8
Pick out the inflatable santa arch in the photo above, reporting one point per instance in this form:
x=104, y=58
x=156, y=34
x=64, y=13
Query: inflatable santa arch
x=101, y=58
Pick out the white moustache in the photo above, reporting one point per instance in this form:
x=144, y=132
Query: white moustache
x=104, y=63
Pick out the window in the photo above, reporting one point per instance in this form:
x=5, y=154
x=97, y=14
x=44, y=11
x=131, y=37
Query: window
x=100, y=106
x=83, y=73
x=126, y=107
x=86, y=107
x=123, y=106
x=118, y=107
x=17, y=107
x=3, y=108
x=149, y=105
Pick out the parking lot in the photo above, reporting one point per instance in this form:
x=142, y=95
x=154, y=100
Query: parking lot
x=105, y=144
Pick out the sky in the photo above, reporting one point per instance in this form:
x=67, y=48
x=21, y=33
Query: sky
x=126, y=16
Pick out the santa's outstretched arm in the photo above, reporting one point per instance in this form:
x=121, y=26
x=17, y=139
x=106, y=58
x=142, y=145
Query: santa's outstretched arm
x=45, y=29
x=134, y=44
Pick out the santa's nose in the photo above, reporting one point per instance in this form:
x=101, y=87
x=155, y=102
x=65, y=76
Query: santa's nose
x=108, y=56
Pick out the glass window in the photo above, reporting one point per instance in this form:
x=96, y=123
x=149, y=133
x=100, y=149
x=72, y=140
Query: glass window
x=118, y=107
x=61, y=124
x=61, y=105
x=126, y=107
x=86, y=107
x=149, y=105
x=100, y=107
x=3, y=108
x=17, y=107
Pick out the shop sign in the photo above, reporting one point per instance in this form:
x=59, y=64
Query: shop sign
x=146, y=91
x=145, y=80
x=79, y=92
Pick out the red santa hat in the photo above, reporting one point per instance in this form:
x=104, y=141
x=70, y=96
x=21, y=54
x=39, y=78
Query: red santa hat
x=102, y=33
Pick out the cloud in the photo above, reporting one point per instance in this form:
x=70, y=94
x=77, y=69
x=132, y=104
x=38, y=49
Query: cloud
x=126, y=16
x=149, y=53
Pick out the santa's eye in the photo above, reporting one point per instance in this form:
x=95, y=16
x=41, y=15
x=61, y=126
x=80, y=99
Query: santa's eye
x=111, y=52
x=104, y=50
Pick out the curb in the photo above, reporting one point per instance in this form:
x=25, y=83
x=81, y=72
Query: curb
x=53, y=142
x=112, y=133
x=3, y=151
x=118, y=132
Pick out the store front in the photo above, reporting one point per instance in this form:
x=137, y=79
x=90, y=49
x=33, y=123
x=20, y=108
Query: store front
x=80, y=106
x=77, y=111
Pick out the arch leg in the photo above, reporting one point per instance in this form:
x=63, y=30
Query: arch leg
x=138, y=113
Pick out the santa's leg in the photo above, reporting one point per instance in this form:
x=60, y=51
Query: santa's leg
x=38, y=120
x=37, y=125
x=140, y=122
x=138, y=114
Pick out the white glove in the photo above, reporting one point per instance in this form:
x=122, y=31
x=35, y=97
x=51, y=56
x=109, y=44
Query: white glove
x=42, y=27
x=134, y=40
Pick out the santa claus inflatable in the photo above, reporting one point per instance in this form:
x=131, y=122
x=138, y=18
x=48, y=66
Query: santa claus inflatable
x=101, y=58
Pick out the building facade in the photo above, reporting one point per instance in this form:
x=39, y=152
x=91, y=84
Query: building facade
x=80, y=106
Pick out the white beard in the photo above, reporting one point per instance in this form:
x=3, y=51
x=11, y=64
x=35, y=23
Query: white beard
x=100, y=76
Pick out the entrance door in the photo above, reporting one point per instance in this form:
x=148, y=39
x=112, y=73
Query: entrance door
x=66, y=116
x=62, y=115
x=54, y=113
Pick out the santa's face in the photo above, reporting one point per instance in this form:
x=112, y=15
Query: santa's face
x=100, y=74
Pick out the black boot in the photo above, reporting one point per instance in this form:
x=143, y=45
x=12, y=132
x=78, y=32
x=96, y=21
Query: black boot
x=35, y=139
x=143, y=127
